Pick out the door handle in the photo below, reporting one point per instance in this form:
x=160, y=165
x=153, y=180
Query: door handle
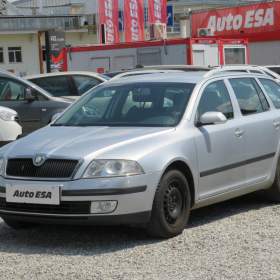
x=276, y=124
x=44, y=109
x=239, y=132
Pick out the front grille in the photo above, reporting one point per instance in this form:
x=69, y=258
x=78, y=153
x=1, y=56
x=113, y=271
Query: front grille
x=52, y=168
x=66, y=207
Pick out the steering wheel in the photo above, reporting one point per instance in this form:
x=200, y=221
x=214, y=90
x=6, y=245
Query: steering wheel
x=90, y=111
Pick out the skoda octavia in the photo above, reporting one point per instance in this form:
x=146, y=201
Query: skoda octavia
x=146, y=150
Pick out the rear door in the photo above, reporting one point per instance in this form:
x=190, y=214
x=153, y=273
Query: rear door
x=260, y=131
x=220, y=148
x=12, y=95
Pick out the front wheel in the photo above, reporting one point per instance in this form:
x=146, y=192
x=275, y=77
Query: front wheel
x=171, y=207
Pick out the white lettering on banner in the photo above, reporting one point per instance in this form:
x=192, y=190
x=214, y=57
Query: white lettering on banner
x=252, y=19
x=109, y=21
x=134, y=20
x=157, y=10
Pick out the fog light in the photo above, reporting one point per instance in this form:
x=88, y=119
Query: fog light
x=103, y=207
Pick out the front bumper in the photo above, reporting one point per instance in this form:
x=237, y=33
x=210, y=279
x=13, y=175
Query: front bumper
x=134, y=196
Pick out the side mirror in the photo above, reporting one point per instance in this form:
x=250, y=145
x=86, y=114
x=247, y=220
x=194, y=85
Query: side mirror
x=212, y=118
x=29, y=95
x=55, y=116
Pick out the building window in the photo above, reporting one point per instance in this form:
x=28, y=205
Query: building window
x=1, y=55
x=15, y=54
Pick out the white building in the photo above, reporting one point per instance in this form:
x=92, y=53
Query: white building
x=21, y=38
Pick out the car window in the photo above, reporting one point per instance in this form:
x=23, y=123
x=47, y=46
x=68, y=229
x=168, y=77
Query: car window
x=11, y=90
x=250, y=98
x=56, y=85
x=255, y=71
x=139, y=104
x=215, y=98
x=237, y=70
x=275, y=69
x=85, y=83
x=273, y=90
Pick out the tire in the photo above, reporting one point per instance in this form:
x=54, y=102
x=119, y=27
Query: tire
x=17, y=225
x=171, y=206
x=273, y=193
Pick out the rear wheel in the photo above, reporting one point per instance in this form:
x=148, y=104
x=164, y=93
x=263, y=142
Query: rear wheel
x=171, y=207
x=16, y=224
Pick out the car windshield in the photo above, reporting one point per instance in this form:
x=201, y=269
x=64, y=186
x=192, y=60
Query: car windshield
x=154, y=104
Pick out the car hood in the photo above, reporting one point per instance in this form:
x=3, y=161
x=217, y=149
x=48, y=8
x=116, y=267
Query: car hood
x=81, y=142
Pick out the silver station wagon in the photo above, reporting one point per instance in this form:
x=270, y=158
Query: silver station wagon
x=146, y=150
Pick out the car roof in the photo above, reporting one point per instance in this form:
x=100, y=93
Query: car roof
x=272, y=66
x=181, y=77
x=54, y=74
x=166, y=77
x=181, y=67
x=143, y=72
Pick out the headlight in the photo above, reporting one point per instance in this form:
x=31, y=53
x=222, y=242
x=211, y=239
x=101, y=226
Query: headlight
x=7, y=116
x=2, y=167
x=112, y=168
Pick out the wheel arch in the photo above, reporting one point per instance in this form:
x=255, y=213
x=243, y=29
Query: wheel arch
x=184, y=167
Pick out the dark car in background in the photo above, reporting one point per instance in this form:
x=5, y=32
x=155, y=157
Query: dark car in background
x=35, y=106
x=70, y=83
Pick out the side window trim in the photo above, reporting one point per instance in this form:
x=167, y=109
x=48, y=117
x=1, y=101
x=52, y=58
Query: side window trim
x=259, y=94
x=271, y=105
x=72, y=85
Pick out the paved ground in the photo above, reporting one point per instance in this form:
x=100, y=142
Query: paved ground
x=239, y=239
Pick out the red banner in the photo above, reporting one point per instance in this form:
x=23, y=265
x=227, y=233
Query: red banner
x=241, y=21
x=109, y=16
x=134, y=20
x=157, y=11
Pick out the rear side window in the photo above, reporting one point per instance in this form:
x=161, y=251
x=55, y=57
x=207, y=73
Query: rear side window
x=255, y=72
x=275, y=69
x=57, y=85
x=215, y=97
x=273, y=91
x=250, y=98
x=84, y=83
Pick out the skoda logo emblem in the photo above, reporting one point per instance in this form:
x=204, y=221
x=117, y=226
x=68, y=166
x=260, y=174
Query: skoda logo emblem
x=39, y=160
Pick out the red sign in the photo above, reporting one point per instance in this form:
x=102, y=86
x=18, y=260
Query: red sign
x=264, y=17
x=109, y=16
x=134, y=20
x=157, y=11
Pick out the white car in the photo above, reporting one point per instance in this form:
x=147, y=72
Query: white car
x=9, y=128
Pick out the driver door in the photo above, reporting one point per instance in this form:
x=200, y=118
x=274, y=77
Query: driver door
x=12, y=95
x=220, y=147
